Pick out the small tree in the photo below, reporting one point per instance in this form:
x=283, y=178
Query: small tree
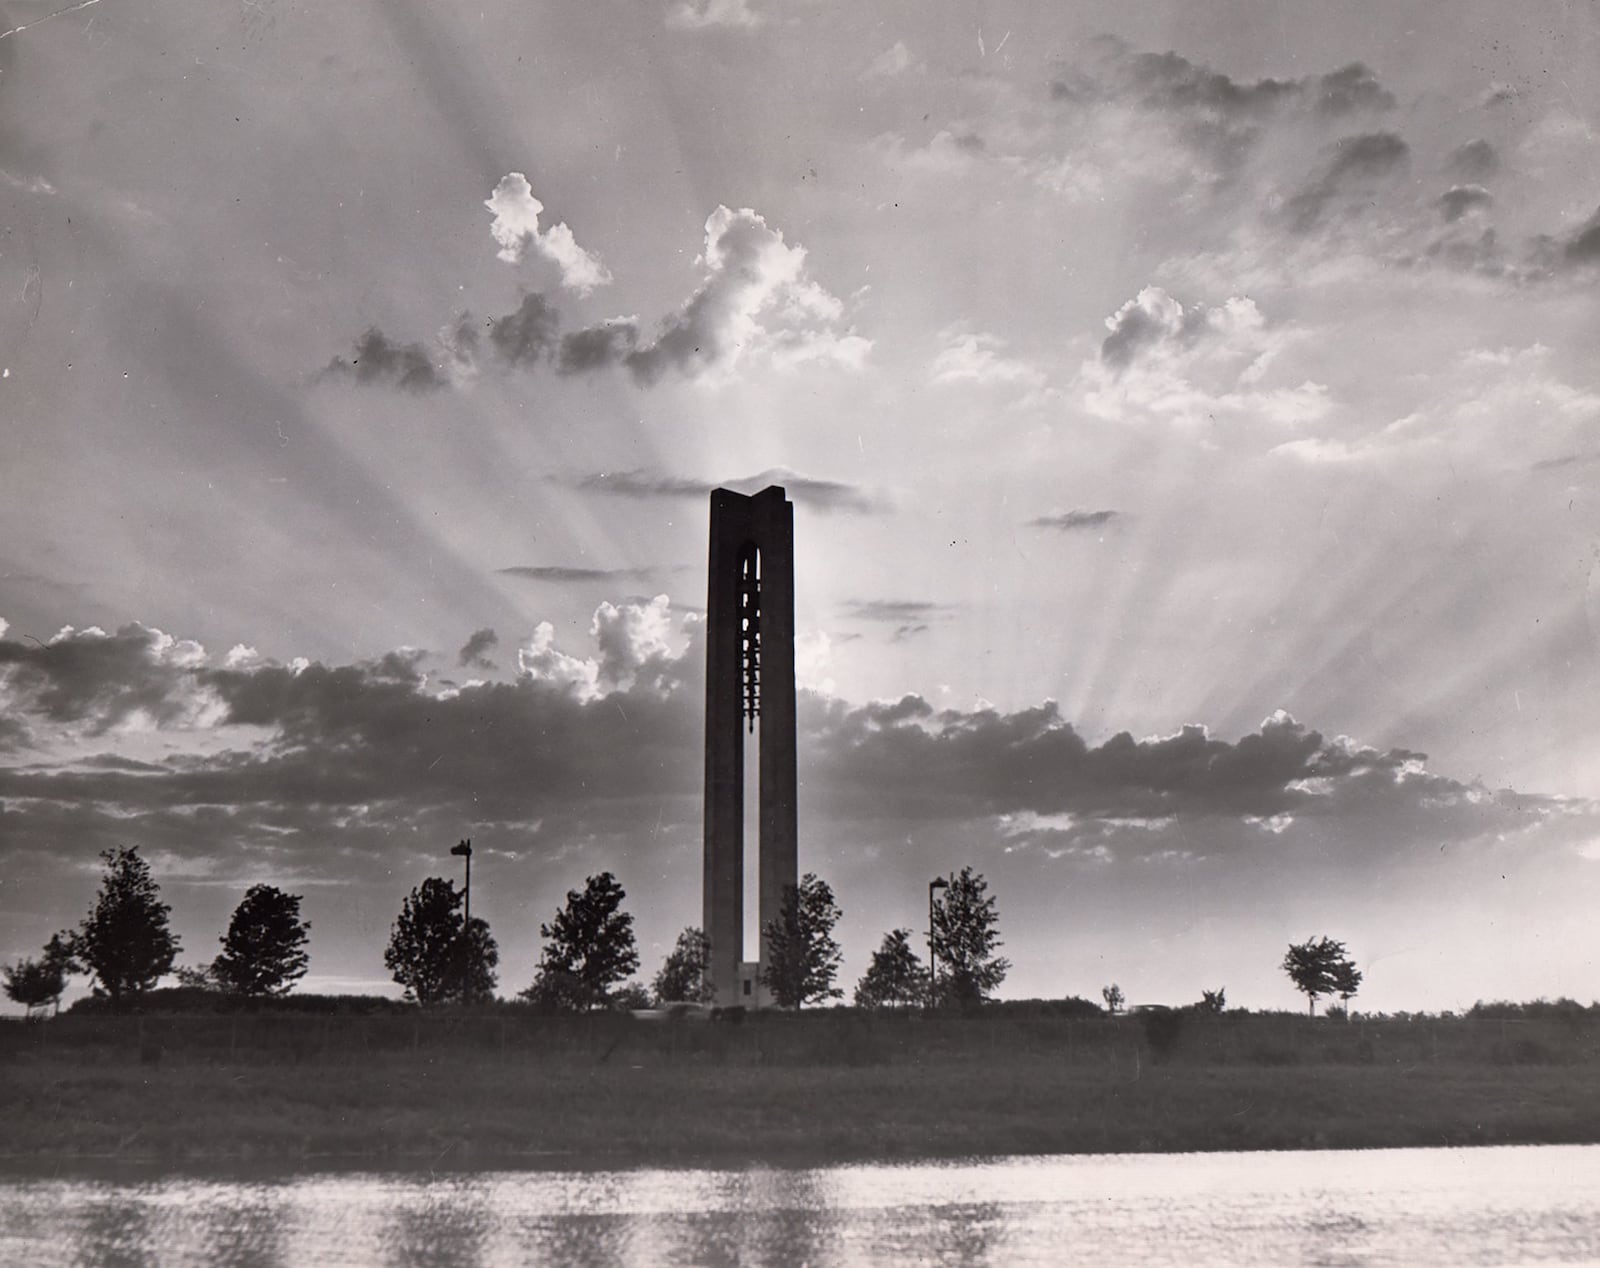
x=1319, y=967
x=36, y=983
x=965, y=939
x=264, y=951
x=1113, y=997
x=1213, y=1002
x=434, y=955
x=124, y=942
x=590, y=948
x=632, y=995
x=1346, y=982
x=896, y=976
x=802, y=957
x=684, y=976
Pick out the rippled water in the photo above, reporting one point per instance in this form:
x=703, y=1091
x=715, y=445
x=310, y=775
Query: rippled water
x=1402, y=1206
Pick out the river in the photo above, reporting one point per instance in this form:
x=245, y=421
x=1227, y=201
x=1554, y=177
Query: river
x=1512, y=1205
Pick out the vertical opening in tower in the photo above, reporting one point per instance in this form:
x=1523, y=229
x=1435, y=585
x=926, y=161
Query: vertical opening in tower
x=750, y=711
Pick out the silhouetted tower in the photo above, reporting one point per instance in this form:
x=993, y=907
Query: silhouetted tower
x=749, y=684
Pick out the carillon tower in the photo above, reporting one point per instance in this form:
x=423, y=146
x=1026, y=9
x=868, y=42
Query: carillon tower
x=749, y=691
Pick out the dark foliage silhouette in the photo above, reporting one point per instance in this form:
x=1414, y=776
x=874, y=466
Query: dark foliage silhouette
x=896, y=978
x=37, y=983
x=684, y=975
x=802, y=957
x=965, y=939
x=124, y=941
x=589, y=948
x=433, y=955
x=263, y=952
x=1319, y=966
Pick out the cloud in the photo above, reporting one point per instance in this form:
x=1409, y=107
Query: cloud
x=978, y=358
x=1459, y=200
x=1071, y=521
x=894, y=61
x=755, y=299
x=597, y=347
x=896, y=610
x=1583, y=247
x=474, y=653
x=527, y=335
x=561, y=575
x=1356, y=165
x=1473, y=162
x=516, y=228
x=694, y=15
x=1170, y=82
x=377, y=359
x=647, y=483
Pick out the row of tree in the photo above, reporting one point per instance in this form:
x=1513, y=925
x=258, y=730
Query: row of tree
x=125, y=944
x=438, y=955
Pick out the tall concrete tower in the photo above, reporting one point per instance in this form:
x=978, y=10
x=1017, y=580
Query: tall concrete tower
x=749, y=684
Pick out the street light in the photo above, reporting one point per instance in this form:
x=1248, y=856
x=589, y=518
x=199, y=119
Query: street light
x=938, y=882
x=464, y=849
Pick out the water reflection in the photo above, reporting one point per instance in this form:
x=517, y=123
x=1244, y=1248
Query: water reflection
x=1386, y=1207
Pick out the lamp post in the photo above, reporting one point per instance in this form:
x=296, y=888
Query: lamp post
x=464, y=849
x=938, y=882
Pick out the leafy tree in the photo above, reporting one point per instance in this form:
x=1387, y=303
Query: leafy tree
x=965, y=939
x=896, y=975
x=590, y=948
x=198, y=977
x=36, y=983
x=1113, y=997
x=1213, y=1001
x=802, y=957
x=124, y=942
x=633, y=995
x=1346, y=982
x=685, y=974
x=434, y=955
x=1320, y=967
x=264, y=951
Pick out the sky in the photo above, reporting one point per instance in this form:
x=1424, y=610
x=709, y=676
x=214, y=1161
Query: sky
x=1191, y=413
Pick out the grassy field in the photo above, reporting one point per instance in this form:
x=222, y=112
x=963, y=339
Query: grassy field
x=505, y=1087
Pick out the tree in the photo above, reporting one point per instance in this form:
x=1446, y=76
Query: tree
x=590, y=948
x=1320, y=967
x=36, y=983
x=264, y=951
x=1213, y=1002
x=965, y=939
x=124, y=942
x=1113, y=997
x=433, y=955
x=1346, y=982
x=631, y=996
x=802, y=957
x=684, y=975
x=896, y=977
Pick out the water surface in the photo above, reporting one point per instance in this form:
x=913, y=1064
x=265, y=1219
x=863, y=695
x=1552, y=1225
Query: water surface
x=1533, y=1204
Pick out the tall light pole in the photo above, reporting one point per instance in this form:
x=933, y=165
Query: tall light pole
x=938, y=882
x=464, y=849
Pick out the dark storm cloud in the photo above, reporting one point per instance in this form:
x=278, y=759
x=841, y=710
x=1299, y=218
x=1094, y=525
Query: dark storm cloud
x=644, y=483
x=561, y=575
x=1460, y=199
x=526, y=336
x=99, y=680
x=1357, y=164
x=474, y=653
x=378, y=359
x=597, y=347
x=1474, y=162
x=1069, y=521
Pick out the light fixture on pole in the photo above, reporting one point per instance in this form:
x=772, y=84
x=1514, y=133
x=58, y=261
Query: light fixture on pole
x=464, y=850
x=938, y=882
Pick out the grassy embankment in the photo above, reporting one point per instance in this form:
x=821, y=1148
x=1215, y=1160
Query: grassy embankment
x=504, y=1087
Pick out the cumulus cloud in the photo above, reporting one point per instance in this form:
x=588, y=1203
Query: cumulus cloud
x=1460, y=200
x=516, y=228
x=378, y=359
x=526, y=335
x=475, y=651
x=1473, y=162
x=1072, y=521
